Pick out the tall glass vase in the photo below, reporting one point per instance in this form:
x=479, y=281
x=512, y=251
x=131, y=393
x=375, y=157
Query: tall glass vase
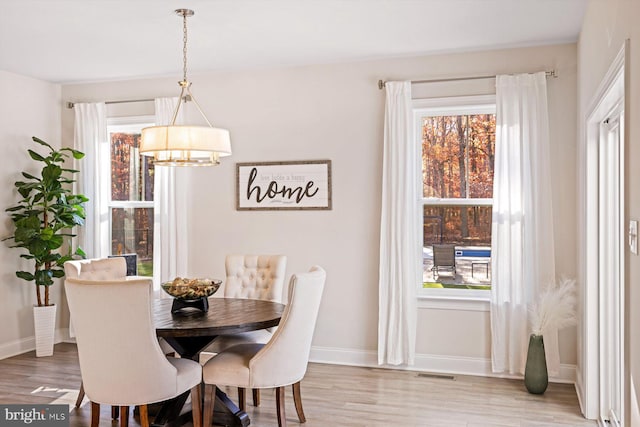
x=536, y=378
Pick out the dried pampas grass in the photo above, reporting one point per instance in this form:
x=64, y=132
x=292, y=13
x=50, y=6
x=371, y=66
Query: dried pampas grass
x=555, y=307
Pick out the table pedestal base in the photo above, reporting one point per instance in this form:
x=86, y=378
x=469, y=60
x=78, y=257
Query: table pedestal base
x=172, y=412
x=226, y=413
x=191, y=331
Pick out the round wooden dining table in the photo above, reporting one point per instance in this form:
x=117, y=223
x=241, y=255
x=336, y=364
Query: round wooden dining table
x=192, y=330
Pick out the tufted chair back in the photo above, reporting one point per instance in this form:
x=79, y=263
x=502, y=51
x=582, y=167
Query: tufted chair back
x=281, y=361
x=255, y=276
x=121, y=361
x=96, y=269
x=99, y=269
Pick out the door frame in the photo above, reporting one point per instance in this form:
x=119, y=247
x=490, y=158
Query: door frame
x=610, y=94
x=611, y=264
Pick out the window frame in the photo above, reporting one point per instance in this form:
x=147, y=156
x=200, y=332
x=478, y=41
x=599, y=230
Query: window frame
x=124, y=124
x=449, y=106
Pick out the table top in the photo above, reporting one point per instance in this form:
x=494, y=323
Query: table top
x=225, y=316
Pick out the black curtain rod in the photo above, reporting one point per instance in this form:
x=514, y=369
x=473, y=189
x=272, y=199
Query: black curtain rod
x=382, y=83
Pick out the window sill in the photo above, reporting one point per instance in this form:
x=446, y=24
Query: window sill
x=454, y=300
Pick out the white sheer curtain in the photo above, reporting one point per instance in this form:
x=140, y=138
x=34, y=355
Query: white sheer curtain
x=522, y=229
x=90, y=137
x=400, y=251
x=169, y=209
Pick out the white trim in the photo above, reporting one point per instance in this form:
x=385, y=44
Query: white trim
x=580, y=390
x=123, y=204
x=612, y=248
x=634, y=415
x=603, y=102
x=340, y=356
x=14, y=348
x=458, y=365
x=467, y=201
x=454, y=300
x=24, y=345
x=129, y=123
x=455, y=105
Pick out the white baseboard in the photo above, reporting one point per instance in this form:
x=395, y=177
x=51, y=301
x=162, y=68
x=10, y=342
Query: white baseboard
x=580, y=392
x=24, y=345
x=341, y=356
x=426, y=362
x=634, y=416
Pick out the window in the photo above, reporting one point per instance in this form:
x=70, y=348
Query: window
x=130, y=200
x=456, y=137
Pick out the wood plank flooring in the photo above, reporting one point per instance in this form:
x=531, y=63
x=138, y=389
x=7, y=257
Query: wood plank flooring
x=333, y=396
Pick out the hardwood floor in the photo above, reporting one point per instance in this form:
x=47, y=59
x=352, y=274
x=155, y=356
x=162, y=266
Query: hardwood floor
x=332, y=396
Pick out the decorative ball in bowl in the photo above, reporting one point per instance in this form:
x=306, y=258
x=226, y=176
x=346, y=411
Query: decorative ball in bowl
x=191, y=289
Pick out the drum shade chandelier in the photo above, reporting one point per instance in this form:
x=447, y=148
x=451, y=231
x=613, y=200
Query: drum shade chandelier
x=182, y=144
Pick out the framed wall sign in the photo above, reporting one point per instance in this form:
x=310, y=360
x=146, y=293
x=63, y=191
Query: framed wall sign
x=283, y=185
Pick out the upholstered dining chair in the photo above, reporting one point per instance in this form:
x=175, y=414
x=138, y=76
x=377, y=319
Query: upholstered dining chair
x=279, y=363
x=121, y=361
x=95, y=269
x=254, y=277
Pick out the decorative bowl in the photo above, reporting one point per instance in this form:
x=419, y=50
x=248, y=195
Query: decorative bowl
x=191, y=289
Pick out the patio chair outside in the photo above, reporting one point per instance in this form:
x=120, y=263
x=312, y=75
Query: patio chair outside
x=444, y=259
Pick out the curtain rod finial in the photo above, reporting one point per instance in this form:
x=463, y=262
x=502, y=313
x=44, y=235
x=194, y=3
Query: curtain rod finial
x=381, y=84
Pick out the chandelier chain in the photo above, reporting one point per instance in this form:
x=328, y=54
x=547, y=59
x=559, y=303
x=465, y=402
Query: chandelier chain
x=184, y=46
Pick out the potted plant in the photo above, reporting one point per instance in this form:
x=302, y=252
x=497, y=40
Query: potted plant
x=554, y=309
x=43, y=219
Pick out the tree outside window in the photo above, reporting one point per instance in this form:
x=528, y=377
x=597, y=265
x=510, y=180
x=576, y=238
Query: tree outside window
x=458, y=154
x=131, y=198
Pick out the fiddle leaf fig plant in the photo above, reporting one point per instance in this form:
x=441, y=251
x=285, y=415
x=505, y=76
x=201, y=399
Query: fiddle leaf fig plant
x=45, y=216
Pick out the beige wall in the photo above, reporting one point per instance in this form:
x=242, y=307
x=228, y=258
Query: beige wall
x=30, y=108
x=336, y=112
x=606, y=27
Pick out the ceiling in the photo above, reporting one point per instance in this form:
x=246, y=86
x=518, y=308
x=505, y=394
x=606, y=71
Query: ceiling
x=69, y=41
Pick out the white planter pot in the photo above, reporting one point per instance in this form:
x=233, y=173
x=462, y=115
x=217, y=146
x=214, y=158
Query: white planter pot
x=44, y=320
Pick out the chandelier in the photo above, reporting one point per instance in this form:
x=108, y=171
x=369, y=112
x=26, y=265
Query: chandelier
x=182, y=144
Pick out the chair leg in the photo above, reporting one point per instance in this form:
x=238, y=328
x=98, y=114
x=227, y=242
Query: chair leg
x=124, y=415
x=256, y=397
x=144, y=416
x=297, y=400
x=209, y=400
x=196, y=406
x=95, y=414
x=282, y=417
x=80, y=395
x=115, y=412
x=242, y=398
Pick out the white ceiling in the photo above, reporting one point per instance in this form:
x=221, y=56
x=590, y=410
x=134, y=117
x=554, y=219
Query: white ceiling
x=91, y=40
